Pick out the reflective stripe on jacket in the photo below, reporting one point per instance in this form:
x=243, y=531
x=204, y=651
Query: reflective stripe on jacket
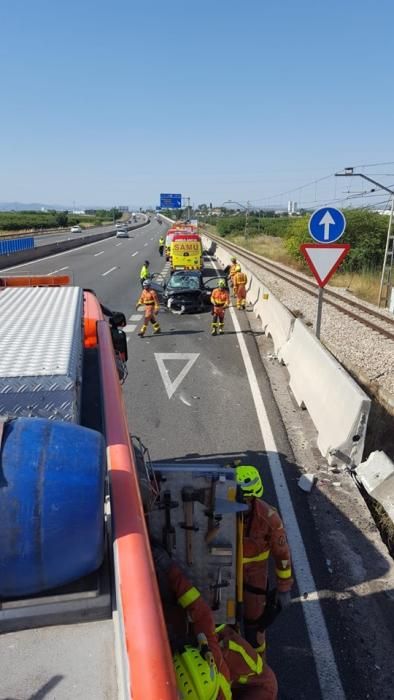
x=264, y=535
x=219, y=297
x=149, y=298
x=240, y=278
x=242, y=660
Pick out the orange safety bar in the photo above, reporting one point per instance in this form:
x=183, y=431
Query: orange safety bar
x=150, y=669
x=91, y=314
x=36, y=281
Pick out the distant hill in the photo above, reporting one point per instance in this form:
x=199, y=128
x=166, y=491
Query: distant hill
x=35, y=206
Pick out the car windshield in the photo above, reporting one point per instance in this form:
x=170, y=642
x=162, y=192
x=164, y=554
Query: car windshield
x=184, y=282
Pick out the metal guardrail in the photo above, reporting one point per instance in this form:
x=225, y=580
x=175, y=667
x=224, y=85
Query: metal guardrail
x=15, y=245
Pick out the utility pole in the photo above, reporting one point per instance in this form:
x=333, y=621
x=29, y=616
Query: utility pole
x=386, y=279
x=246, y=218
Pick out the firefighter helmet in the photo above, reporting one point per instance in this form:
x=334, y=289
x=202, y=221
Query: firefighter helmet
x=146, y=284
x=238, y=268
x=222, y=283
x=195, y=678
x=249, y=481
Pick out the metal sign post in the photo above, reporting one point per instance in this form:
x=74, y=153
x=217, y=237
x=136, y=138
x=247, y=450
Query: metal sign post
x=319, y=311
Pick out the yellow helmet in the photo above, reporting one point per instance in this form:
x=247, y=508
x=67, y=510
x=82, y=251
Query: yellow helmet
x=222, y=283
x=249, y=481
x=238, y=268
x=195, y=678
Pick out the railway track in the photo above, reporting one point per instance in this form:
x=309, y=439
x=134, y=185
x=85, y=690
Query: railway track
x=354, y=309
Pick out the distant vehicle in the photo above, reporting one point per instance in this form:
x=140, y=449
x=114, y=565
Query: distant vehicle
x=76, y=229
x=122, y=233
x=118, y=225
x=186, y=291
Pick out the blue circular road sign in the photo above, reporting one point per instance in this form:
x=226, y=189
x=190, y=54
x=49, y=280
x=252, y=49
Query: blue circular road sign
x=327, y=225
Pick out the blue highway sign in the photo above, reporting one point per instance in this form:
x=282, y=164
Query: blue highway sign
x=327, y=225
x=171, y=201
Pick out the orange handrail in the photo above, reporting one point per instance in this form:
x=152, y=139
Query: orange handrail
x=36, y=281
x=150, y=670
x=91, y=314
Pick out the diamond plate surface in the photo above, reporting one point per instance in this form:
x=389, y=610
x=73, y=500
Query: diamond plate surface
x=41, y=352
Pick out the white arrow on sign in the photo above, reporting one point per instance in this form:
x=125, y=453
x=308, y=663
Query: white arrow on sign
x=326, y=221
x=172, y=385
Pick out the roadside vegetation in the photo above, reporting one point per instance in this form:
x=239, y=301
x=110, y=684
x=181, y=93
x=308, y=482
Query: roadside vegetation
x=279, y=238
x=26, y=221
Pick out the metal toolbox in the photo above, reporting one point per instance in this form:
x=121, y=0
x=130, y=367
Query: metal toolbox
x=203, y=534
x=41, y=349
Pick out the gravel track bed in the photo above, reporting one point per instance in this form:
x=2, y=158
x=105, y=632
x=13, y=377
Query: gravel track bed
x=349, y=340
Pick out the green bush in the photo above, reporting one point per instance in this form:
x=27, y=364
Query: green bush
x=366, y=231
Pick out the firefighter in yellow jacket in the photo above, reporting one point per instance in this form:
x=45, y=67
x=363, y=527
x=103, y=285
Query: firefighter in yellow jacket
x=231, y=272
x=220, y=300
x=149, y=299
x=264, y=537
x=240, y=282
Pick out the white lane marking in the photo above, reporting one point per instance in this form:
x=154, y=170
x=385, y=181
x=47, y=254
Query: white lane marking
x=108, y=271
x=135, y=317
x=100, y=253
x=134, y=254
x=50, y=257
x=129, y=328
x=55, y=271
x=151, y=239
x=145, y=244
x=117, y=244
x=162, y=357
x=326, y=668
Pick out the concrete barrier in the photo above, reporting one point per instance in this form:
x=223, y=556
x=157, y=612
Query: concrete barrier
x=276, y=319
x=337, y=406
x=377, y=476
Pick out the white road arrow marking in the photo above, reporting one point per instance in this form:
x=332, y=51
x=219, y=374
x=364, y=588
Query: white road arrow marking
x=162, y=357
x=326, y=221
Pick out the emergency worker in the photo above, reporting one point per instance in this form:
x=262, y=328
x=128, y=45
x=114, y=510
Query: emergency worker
x=236, y=670
x=264, y=536
x=231, y=272
x=144, y=272
x=240, y=282
x=161, y=245
x=149, y=299
x=220, y=300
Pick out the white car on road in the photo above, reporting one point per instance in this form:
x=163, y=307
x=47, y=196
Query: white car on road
x=122, y=233
x=76, y=229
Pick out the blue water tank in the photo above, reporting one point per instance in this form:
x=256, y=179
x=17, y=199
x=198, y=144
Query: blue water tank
x=51, y=504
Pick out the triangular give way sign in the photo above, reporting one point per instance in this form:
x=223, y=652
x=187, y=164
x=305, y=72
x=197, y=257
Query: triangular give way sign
x=324, y=259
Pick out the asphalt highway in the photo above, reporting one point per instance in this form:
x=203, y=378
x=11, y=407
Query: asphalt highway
x=68, y=235
x=211, y=416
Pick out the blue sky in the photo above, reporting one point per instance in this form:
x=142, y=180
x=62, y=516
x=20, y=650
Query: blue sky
x=115, y=102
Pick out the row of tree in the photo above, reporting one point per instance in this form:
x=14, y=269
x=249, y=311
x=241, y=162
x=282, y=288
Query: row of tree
x=366, y=231
x=25, y=220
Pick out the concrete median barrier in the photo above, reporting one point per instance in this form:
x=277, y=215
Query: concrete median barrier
x=376, y=474
x=53, y=248
x=338, y=407
x=276, y=319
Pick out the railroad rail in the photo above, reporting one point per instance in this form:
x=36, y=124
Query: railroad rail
x=309, y=286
